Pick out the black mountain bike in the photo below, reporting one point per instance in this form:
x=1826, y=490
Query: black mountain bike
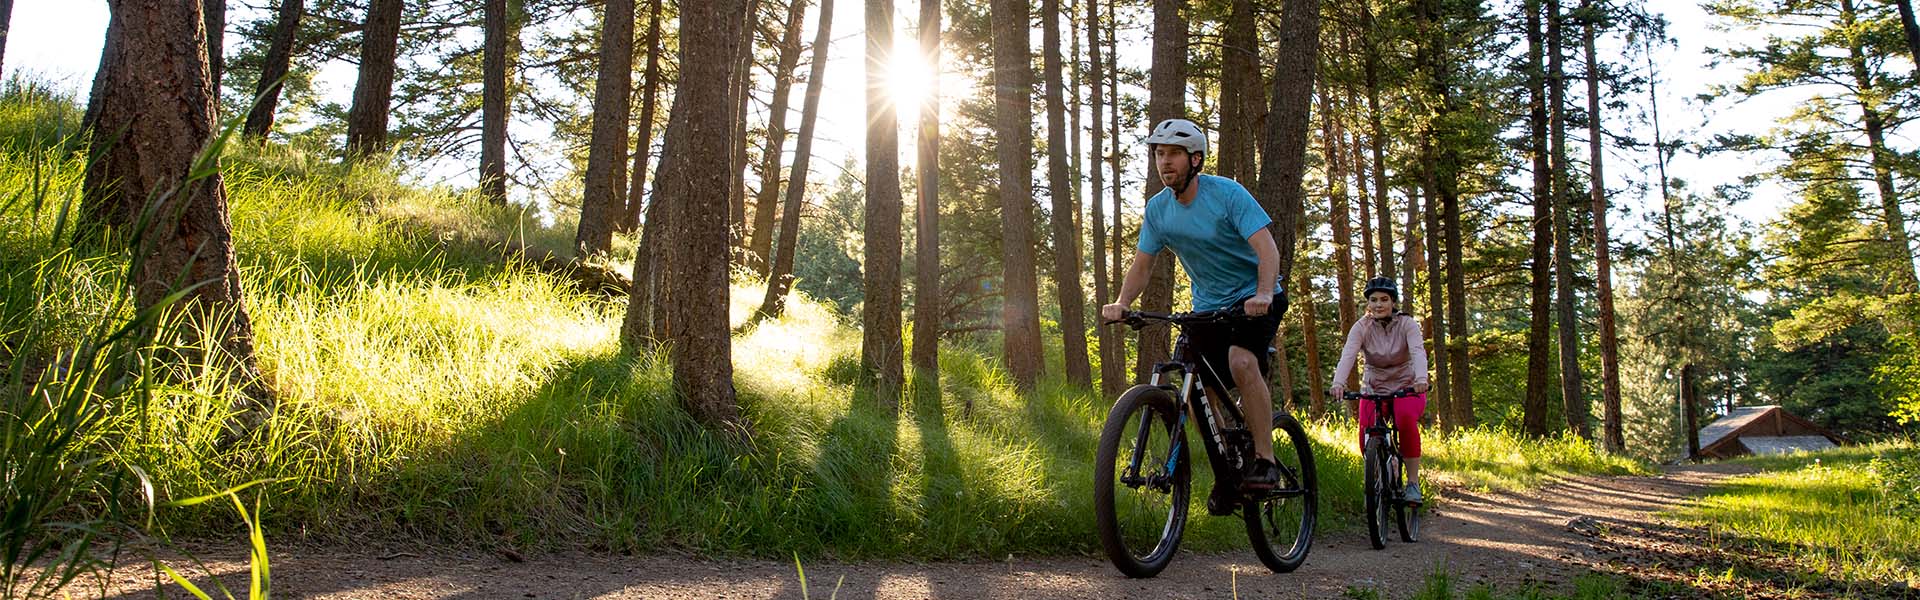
x=1383, y=479
x=1142, y=479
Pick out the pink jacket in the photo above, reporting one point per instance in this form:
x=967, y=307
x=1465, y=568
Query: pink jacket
x=1396, y=354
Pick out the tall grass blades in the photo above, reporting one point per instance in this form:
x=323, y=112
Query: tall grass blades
x=1844, y=515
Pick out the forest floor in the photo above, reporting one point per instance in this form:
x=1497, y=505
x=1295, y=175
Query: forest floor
x=1543, y=538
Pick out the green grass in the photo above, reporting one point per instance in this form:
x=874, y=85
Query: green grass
x=1847, y=514
x=429, y=388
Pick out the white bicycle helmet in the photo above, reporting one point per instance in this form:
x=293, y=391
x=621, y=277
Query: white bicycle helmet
x=1179, y=132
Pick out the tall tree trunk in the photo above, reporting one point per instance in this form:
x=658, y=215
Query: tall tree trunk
x=606, y=152
x=737, y=153
x=1066, y=236
x=650, y=88
x=1572, y=393
x=215, y=13
x=765, y=202
x=1377, y=138
x=927, y=302
x=1283, y=163
x=1440, y=391
x=1112, y=372
x=1332, y=139
x=780, y=279
x=1361, y=195
x=1310, y=330
x=647, y=315
x=1166, y=99
x=1446, y=186
x=711, y=33
x=6, y=23
x=1882, y=159
x=1614, y=438
x=1909, y=29
x=1115, y=160
x=1240, y=93
x=153, y=117
x=880, y=351
x=493, y=104
x=373, y=92
x=1013, y=118
x=1533, y=408
x=273, y=70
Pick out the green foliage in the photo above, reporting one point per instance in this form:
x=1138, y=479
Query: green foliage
x=1841, y=514
x=825, y=264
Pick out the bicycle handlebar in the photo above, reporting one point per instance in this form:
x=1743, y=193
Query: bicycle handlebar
x=1396, y=394
x=1138, y=319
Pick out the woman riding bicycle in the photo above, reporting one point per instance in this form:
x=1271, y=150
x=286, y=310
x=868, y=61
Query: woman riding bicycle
x=1396, y=359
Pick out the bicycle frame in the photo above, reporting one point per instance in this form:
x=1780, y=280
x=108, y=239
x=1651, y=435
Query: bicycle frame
x=1215, y=428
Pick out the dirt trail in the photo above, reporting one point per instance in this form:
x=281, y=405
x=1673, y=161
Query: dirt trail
x=1546, y=535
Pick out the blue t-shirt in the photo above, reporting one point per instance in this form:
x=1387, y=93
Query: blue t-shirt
x=1210, y=237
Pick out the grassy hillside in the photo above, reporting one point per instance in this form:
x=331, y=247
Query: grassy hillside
x=431, y=387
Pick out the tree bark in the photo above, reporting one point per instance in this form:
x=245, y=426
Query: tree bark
x=1533, y=407
x=1166, y=99
x=1440, y=391
x=1909, y=29
x=373, y=93
x=701, y=340
x=6, y=23
x=1114, y=162
x=780, y=278
x=1446, y=186
x=1377, y=138
x=606, y=152
x=650, y=88
x=737, y=152
x=273, y=70
x=153, y=118
x=880, y=351
x=1240, y=93
x=1338, y=219
x=1571, y=393
x=493, y=103
x=1112, y=372
x=1013, y=114
x=1881, y=157
x=1283, y=164
x=1066, y=238
x=215, y=12
x=927, y=296
x=765, y=202
x=1612, y=435
x=1361, y=194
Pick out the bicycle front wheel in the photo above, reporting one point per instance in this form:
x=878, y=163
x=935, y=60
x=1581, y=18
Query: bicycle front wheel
x=1280, y=522
x=1376, y=489
x=1141, y=482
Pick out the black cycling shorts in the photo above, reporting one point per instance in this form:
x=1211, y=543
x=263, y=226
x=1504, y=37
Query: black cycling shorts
x=1205, y=345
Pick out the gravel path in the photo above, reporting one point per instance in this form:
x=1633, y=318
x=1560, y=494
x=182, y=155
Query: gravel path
x=1547, y=535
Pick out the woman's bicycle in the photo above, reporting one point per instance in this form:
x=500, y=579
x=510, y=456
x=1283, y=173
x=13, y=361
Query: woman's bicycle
x=1383, y=480
x=1142, y=478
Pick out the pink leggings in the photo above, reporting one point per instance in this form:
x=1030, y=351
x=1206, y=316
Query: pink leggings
x=1406, y=417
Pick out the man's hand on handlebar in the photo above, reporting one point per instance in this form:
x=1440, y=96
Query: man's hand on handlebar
x=1259, y=304
x=1113, y=313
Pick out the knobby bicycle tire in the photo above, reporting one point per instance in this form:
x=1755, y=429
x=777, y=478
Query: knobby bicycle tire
x=1282, y=511
x=1117, y=515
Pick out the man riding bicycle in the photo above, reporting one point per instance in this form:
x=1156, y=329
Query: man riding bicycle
x=1220, y=235
x=1396, y=359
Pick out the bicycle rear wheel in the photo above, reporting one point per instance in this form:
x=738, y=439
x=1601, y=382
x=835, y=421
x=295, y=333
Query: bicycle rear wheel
x=1405, y=514
x=1280, y=522
x=1375, y=489
x=1141, y=482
